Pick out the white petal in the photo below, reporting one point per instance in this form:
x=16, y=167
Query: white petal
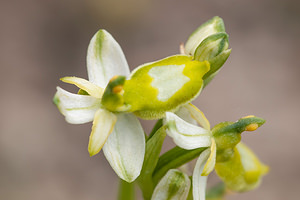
x=191, y=113
x=105, y=59
x=186, y=135
x=90, y=88
x=175, y=185
x=77, y=109
x=103, y=125
x=211, y=162
x=125, y=147
x=199, y=182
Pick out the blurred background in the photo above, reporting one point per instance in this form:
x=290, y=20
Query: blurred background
x=43, y=157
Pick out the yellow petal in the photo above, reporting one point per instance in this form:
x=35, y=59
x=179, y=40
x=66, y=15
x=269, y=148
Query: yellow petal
x=198, y=115
x=103, y=125
x=92, y=89
x=211, y=161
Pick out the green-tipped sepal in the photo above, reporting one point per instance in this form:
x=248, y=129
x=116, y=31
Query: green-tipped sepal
x=243, y=171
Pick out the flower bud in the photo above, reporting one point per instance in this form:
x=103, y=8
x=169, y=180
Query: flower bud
x=212, y=26
x=214, y=49
x=243, y=171
x=175, y=185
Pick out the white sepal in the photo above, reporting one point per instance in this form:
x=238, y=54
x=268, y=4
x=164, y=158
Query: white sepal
x=77, y=109
x=186, y=135
x=105, y=59
x=103, y=125
x=125, y=147
x=90, y=88
x=199, y=181
x=175, y=185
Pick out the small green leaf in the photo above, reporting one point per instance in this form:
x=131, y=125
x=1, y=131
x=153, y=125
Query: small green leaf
x=174, y=158
x=153, y=148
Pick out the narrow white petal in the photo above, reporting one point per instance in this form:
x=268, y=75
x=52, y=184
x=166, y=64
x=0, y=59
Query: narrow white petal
x=199, y=182
x=90, y=88
x=77, y=109
x=103, y=125
x=105, y=59
x=186, y=135
x=125, y=147
x=175, y=185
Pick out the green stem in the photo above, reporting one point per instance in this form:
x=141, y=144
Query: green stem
x=157, y=126
x=126, y=191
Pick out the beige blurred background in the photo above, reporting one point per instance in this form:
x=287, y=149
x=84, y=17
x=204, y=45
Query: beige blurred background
x=43, y=157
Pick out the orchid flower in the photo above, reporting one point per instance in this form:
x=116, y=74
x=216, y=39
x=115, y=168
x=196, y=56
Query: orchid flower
x=120, y=134
x=150, y=90
x=235, y=163
x=187, y=135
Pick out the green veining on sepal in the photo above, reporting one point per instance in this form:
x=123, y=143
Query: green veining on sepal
x=143, y=96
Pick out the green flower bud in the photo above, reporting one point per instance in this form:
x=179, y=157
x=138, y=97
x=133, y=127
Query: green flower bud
x=209, y=42
x=212, y=26
x=175, y=185
x=214, y=49
x=211, y=46
x=243, y=171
